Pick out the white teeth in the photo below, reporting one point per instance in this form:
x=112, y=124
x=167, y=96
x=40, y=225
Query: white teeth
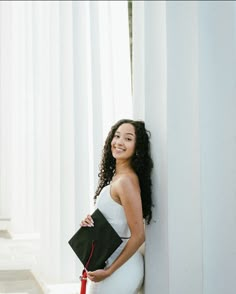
x=119, y=149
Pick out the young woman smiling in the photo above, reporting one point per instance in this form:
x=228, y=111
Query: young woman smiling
x=124, y=197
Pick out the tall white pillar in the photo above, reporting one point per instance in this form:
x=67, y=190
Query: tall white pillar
x=189, y=96
x=5, y=118
x=152, y=85
x=183, y=148
x=217, y=95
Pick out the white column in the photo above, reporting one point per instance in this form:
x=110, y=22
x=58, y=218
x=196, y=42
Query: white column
x=96, y=97
x=22, y=120
x=217, y=78
x=151, y=19
x=82, y=119
x=189, y=66
x=47, y=137
x=138, y=59
x=184, y=199
x=5, y=114
x=173, y=117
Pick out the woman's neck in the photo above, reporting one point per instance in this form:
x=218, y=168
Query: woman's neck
x=122, y=168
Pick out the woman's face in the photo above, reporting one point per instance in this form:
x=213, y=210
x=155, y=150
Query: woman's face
x=123, y=142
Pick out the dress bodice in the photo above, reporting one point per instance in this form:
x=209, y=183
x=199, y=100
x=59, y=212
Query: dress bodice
x=113, y=211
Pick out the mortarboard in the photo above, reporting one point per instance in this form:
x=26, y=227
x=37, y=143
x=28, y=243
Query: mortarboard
x=94, y=245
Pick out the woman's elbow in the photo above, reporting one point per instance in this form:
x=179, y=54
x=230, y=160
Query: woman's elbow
x=141, y=238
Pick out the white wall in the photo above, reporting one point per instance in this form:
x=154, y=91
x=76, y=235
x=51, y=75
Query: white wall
x=189, y=96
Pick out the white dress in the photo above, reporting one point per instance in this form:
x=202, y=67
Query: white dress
x=128, y=278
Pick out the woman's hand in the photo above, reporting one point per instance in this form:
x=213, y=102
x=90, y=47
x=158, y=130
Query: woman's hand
x=98, y=275
x=87, y=222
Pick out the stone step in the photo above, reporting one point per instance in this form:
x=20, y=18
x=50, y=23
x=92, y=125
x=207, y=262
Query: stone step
x=18, y=281
x=4, y=223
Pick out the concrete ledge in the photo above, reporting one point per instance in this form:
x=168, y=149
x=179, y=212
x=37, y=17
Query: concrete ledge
x=4, y=223
x=18, y=281
x=5, y=234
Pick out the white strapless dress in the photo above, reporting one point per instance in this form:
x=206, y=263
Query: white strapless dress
x=128, y=278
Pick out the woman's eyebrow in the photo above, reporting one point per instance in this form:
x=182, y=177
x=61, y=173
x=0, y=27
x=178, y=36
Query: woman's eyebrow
x=117, y=132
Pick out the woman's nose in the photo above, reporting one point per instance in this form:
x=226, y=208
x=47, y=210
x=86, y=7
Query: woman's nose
x=119, y=141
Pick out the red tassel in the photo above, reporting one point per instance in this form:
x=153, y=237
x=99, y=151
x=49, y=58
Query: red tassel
x=83, y=279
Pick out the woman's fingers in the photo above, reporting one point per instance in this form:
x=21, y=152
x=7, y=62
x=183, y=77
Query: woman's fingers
x=87, y=222
x=90, y=219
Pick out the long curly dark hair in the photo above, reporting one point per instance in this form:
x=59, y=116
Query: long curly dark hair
x=141, y=163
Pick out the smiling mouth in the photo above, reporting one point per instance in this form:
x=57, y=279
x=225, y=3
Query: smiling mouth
x=119, y=149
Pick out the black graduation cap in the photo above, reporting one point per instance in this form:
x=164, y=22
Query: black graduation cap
x=94, y=245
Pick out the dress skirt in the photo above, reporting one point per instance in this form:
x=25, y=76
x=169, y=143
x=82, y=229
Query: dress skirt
x=127, y=279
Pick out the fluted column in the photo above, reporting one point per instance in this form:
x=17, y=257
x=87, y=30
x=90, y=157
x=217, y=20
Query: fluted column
x=217, y=92
x=189, y=81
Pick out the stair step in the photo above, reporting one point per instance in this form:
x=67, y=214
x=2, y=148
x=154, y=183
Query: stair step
x=4, y=223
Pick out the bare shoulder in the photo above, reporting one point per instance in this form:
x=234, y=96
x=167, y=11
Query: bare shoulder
x=127, y=186
x=127, y=180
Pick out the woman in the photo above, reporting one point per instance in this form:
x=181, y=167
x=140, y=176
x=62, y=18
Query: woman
x=124, y=197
